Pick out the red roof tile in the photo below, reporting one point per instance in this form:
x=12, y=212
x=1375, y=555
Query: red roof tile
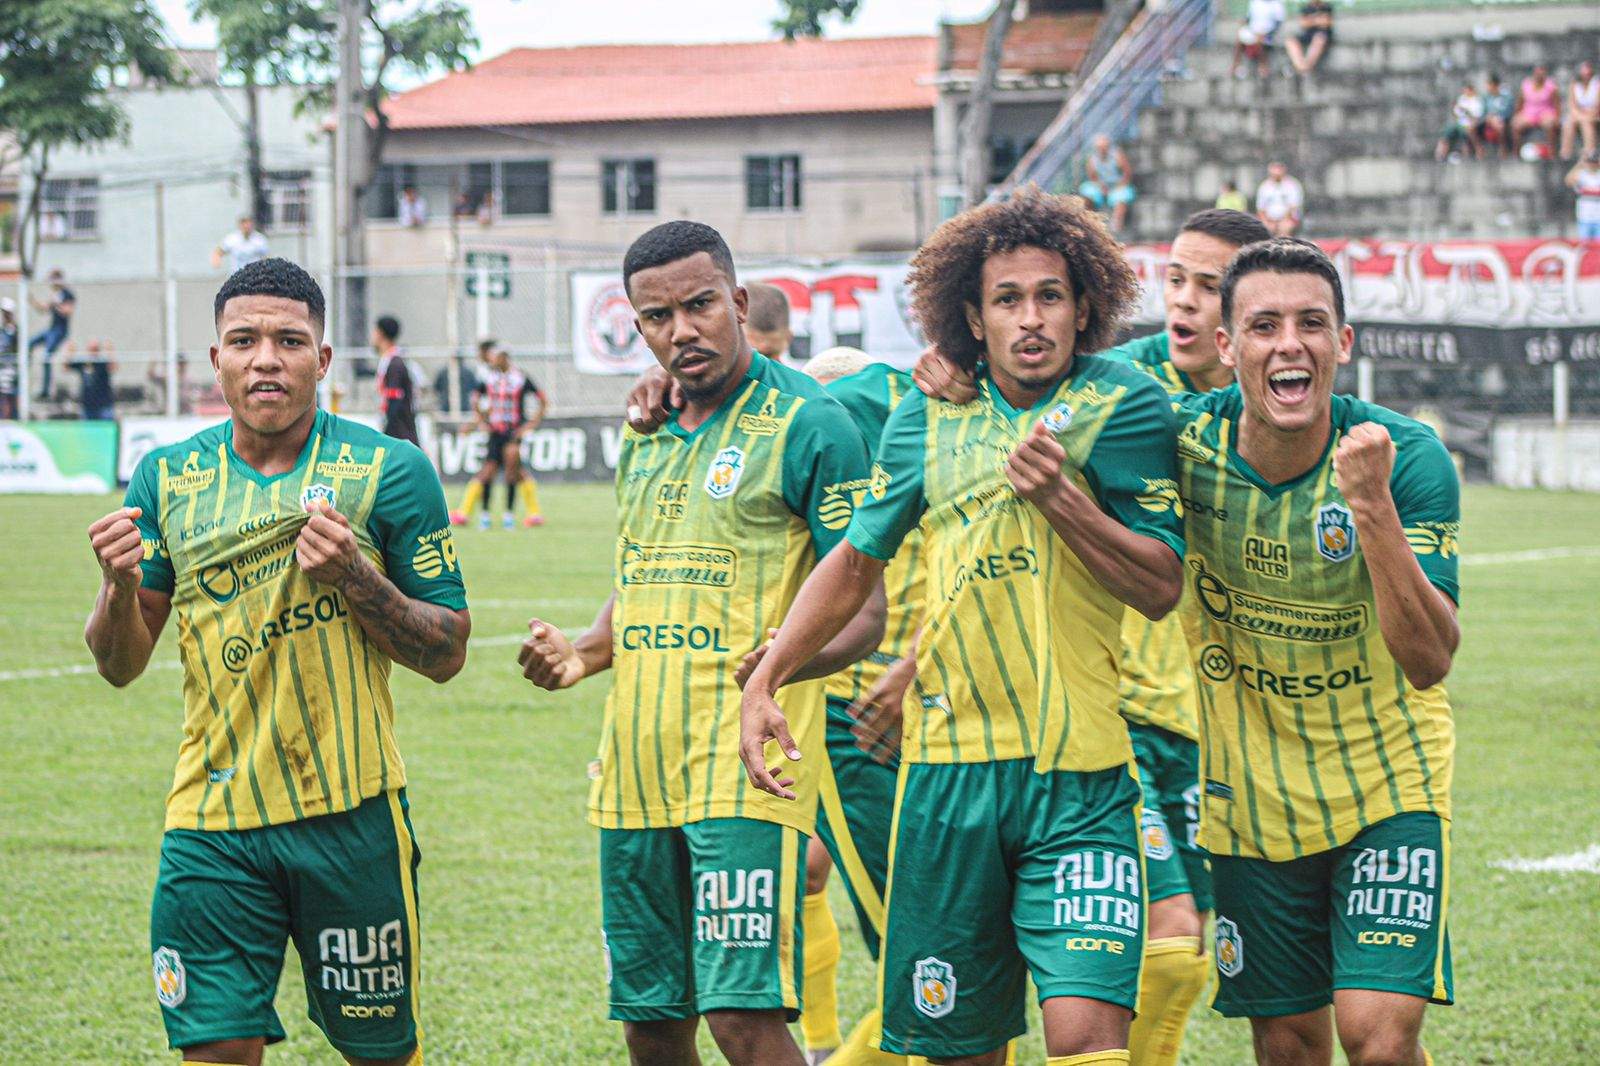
x=1041, y=44
x=625, y=83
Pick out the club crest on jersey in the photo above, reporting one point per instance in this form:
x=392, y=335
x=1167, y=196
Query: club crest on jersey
x=1230, y=948
x=933, y=987
x=1057, y=418
x=1336, y=533
x=318, y=493
x=1157, y=841
x=726, y=470
x=172, y=981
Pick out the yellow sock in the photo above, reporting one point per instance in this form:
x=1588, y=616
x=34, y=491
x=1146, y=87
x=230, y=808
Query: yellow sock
x=819, y=1022
x=1093, y=1058
x=1427, y=1059
x=530, y=496
x=1174, y=976
x=469, y=499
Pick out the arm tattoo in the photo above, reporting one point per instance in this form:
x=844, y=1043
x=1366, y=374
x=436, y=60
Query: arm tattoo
x=414, y=633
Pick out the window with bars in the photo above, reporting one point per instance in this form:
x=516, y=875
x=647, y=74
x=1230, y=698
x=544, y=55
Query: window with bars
x=487, y=188
x=772, y=182
x=288, y=199
x=69, y=208
x=627, y=186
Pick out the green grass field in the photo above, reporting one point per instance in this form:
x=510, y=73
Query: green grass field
x=513, y=966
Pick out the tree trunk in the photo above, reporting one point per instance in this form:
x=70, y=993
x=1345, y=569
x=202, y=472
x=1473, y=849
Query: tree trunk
x=260, y=209
x=28, y=254
x=980, y=108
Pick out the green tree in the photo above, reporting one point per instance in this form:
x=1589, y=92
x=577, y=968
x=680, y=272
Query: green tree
x=804, y=18
x=58, y=63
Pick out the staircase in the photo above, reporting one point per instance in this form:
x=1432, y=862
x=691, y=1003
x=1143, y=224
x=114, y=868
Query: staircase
x=1359, y=134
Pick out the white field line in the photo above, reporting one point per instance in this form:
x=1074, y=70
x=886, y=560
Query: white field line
x=1531, y=555
x=1586, y=861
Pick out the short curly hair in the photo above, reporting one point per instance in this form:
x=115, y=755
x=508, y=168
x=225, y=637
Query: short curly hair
x=947, y=271
x=273, y=277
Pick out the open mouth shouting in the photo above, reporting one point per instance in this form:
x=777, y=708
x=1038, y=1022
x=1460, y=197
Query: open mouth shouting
x=1181, y=334
x=1291, y=385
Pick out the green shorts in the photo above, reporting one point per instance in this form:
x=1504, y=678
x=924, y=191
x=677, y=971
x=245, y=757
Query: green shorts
x=1169, y=772
x=853, y=820
x=998, y=871
x=1371, y=915
x=343, y=886
x=702, y=917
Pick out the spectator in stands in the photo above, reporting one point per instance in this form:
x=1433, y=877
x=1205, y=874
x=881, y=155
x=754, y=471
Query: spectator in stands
x=1108, y=180
x=1262, y=21
x=156, y=375
x=241, y=247
x=1231, y=199
x=1307, y=48
x=1538, y=110
x=1466, y=115
x=1583, y=110
x=486, y=210
x=94, y=382
x=767, y=325
x=8, y=357
x=1584, y=179
x=61, y=305
x=1499, y=105
x=1280, y=201
x=412, y=210
x=397, y=392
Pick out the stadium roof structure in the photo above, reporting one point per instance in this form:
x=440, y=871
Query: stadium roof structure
x=633, y=83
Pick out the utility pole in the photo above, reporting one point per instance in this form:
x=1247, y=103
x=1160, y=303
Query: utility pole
x=350, y=173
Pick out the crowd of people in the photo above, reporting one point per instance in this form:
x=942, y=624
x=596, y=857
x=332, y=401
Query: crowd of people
x=1536, y=122
x=1263, y=25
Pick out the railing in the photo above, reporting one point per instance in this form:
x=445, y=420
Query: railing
x=1110, y=96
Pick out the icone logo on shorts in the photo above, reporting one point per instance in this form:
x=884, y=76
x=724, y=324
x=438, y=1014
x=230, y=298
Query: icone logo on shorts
x=1230, y=948
x=172, y=981
x=933, y=987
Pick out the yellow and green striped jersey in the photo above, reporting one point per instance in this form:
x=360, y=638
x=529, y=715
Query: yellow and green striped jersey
x=1309, y=730
x=1019, y=649
x=287, y=713
x=1157, y=683
x=718, y=528
x=869, y=397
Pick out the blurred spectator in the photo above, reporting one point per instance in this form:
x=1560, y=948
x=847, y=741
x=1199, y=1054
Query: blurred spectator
x=486, y=212
x=156, y=374
x=767, y=325
x=412, y=210
x=1307, y=48
x=1466, y=114
x=1258, y=35
x=241, y=247
x=1583, y=110
x=8, y=357
x=1499, y=105
x=1231, y=199
x=466, y=380
x=94, y=383
x=397, y=393
x=1584, y=179
x=1280, y=201
x=1538, y=110
x=1108, y=180
x=61, y=305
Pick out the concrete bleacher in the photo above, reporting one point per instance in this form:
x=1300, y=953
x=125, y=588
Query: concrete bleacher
x=1360, y=131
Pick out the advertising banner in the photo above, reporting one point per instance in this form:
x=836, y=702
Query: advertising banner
x=58, y=457
x=861, y=304
x=561, y=449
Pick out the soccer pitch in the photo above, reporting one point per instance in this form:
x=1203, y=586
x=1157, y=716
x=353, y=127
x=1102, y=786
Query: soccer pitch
x=512, y=969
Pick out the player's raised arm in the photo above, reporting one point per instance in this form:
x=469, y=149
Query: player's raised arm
x=1417, y=619
x=127, y=618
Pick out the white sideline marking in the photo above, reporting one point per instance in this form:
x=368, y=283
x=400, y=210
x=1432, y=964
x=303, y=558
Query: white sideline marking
x=1531, y=555
x=1586, y=861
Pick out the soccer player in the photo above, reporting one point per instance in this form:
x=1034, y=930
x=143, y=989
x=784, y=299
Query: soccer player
x=1046, y=505
x=304, y=555
x=1322, y=565
x=501, y=402
x=769, y=328
x=397, y=400
x=721, y=516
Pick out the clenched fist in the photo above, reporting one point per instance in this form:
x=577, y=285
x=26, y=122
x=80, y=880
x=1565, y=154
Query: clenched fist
x=1034, y=468
x=548, y=658
x=118, y=547
x=1363, y=462
x=327, y=549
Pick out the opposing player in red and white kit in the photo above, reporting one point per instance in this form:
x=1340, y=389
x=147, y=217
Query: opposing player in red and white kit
x=501, y=403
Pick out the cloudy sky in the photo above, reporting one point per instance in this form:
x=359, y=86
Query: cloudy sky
x=504, y=24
